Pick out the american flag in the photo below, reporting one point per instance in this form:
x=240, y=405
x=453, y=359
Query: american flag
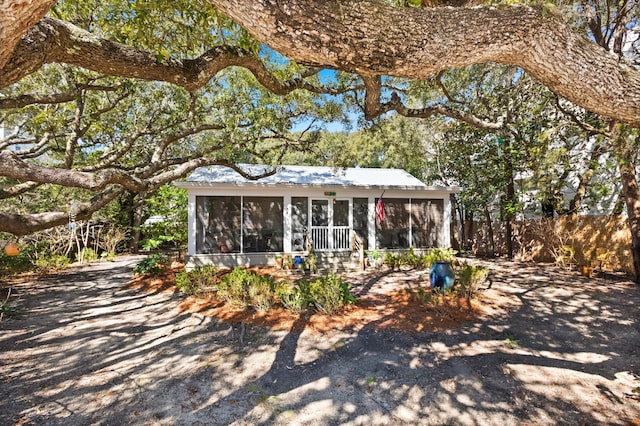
x=380, y=210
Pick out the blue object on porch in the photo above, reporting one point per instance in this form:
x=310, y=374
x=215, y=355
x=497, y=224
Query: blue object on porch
x=297, y=260
x=442, y=275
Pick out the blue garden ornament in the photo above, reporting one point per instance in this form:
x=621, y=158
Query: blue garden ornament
x=442, y=275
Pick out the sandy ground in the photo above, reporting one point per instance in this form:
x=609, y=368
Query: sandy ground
x=551, y=347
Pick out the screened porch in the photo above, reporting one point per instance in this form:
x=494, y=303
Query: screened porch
x=254, y=224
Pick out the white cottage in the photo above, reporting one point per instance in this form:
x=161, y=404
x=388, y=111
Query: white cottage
x=235, y=221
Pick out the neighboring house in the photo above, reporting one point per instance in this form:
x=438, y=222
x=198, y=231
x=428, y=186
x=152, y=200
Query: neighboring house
x=236, y=221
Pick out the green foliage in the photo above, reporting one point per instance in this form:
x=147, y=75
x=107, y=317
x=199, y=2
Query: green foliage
x=438, y=254
x=154, y=264
x=294, y=297
x=396, y=142
x=410, y=258
x=168, y=203
x=87, y=254
x=108, y=256
x=16, y=264
x=243, y=288
x=51, y=262
x=194, y=281
x=7, y=310
x=328, y=294
x=392, y=260
x=468, y=279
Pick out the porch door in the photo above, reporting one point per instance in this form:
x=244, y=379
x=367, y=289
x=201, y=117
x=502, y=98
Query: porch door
x=331, y=224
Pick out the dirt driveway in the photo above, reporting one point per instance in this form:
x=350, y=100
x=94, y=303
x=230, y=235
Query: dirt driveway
x=555, y=348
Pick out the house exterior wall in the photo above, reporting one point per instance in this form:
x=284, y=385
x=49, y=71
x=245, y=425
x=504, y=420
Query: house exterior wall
x=315, y=192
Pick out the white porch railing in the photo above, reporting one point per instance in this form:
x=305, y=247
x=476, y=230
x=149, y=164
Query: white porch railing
x=339, y=239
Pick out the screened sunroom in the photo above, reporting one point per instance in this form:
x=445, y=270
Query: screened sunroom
x=237, y=221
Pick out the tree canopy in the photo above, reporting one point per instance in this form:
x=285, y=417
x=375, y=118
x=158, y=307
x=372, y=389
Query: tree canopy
x=112, y=97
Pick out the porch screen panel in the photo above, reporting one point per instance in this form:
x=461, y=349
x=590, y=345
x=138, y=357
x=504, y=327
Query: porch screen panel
x=361, y=219
x=262, y=227
x=299, y=222
x=341, y=231
x=320, y=224
x=217, y=225
x=426, y=222
x=393, y=232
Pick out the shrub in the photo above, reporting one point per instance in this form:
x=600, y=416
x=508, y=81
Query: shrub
x=409, y=259
x=6, y=310
x=437, y=254
x=194, y=281
x=391, y=260
x=469, y=277
x=246, y=288
x=329, y=294
x=87, y=254
x=261, y=293
x=51, y=262
x=294, y=298
x=232, y=287
x=16, y=264
x=154, y=264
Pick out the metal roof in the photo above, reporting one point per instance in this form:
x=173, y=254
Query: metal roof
x=309, y=176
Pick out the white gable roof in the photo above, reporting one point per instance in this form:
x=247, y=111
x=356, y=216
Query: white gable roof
x=309, y=176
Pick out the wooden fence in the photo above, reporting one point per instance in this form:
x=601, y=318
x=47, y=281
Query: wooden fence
x=603, y=241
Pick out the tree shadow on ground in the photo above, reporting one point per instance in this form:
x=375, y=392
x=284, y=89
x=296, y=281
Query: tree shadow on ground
x=90, y=350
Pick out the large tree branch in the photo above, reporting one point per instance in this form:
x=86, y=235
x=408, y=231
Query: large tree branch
x=17, y=16
x=369, y=37
x=143, y=180
x=23, y=224
x=366, y=37
x=53, y=40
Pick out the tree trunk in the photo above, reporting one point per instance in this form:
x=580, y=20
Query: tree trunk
x=626, y=153
x=511, y=203
x=137, y=222
x=467, y=243
x=632, y=200
x=492, y=240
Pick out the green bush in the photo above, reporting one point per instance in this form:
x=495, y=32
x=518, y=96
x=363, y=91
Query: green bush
x=243, y=288
x=87, y=254
x=391, y=260
x=468, y=279
x=194, y=281
x=436, y=254
x=261, y=293
x=6, y=310
x=294, y=297
x=232, y=287
x=328, y=294
x=51, y=262
x=409, y=258
x=16, y=264
x=154, y=264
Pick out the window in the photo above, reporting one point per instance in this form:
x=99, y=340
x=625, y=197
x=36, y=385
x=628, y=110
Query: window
x=393, y=232
x=217, y=225
x=262, y=224
x=426, y=222
x=299, y=222
x=222, y=222
x=361, y=219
